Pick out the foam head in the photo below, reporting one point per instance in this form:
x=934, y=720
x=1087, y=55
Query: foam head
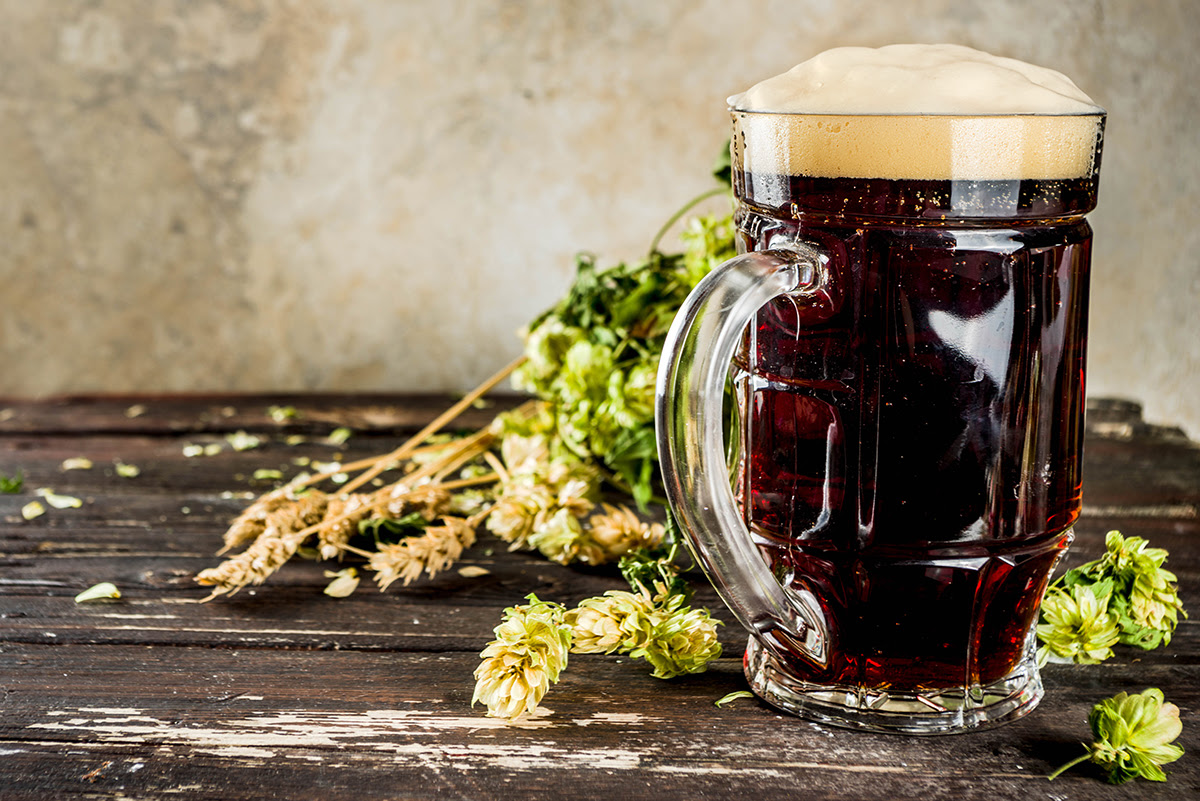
x=918, y=112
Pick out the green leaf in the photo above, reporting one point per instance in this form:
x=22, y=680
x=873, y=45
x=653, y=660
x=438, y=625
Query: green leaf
x=127, y=470
x=393, y=529
x=240, y=441
x=339, y=436
x=11, y=486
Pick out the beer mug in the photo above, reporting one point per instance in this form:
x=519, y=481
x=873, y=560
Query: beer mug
x=901, y=348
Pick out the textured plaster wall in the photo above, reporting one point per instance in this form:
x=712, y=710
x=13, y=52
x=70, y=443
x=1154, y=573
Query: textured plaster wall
x=308, y=194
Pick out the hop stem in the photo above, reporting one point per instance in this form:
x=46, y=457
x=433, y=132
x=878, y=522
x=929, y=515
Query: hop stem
x=1068, y=766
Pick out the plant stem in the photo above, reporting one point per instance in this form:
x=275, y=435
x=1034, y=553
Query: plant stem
x=691, y=204
x=473, y=481
x=445, y=417
x=1069, y=765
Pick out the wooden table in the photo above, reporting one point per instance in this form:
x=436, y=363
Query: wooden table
x=283, y=692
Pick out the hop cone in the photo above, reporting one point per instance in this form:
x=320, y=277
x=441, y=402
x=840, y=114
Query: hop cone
x=518, y=667
x=1078, y=626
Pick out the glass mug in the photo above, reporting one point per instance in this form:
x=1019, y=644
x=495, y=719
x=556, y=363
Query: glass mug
x=907, y=362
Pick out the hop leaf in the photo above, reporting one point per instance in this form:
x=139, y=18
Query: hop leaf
x=1134, y=736
x=11, y=485
x=593, y=357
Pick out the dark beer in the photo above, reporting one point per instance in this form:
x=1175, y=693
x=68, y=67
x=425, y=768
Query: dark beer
x=907, y=324
x=911, y=438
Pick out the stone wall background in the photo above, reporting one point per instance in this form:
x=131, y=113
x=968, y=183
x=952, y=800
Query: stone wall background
x=369, y=195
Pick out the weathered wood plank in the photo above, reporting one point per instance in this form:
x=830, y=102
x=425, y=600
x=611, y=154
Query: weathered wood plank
x=375, y=726
x=284, y=692
x=311, y=413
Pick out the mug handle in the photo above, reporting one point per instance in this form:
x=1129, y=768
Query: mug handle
x=688, y=416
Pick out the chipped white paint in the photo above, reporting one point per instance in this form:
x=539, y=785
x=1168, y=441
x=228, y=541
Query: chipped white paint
x=777, y=769
x=31, y=583
x=248, y=634
x=410, y=736
x=622, y=718
x=539, y=758
x=238, y=751
x=715, y=769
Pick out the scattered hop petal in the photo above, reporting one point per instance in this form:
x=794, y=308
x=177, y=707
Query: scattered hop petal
x=527, y=656
x=731, y=697
x=59, y=501
x=339, y=436
x=32, y=509
x=241, y=441
x=11, y=485
x=77, y=463
x=344, y=582
x=100, y=592
x=127, y=470
x=281, y=414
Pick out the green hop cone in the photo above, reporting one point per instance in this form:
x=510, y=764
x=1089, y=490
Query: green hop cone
x=560, y=537
x=684, y=640
x=619, y=620
x=707, y=240
x=1143, y=596
x=1153, y=598
x=529, y=652
x=1077, y=625
x=1134, y=736
x=546, y=347
x=662, y=629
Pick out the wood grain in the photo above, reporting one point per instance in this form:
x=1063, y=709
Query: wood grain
x=284, y=692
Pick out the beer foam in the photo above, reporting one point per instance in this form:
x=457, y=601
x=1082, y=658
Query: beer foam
x=936, y=112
